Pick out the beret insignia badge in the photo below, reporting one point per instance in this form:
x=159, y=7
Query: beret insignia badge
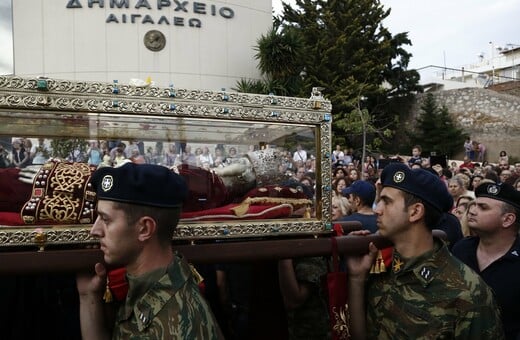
x=493, y=189
x=399, y=177
x=107, y=183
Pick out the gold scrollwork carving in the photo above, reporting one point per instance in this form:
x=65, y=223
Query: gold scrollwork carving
x=86, y=99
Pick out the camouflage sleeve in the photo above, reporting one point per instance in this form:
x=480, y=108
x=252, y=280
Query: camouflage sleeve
x=169, y=312
x=185, y=315
x=482, y=322
x=195, y=319
x=310, y=269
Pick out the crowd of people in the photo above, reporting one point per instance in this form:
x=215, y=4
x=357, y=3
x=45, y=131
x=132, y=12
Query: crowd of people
x=477, y=205
x=463, y=286
x=461, y=178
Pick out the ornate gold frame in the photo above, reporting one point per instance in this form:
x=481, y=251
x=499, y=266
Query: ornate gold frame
x=19, y=95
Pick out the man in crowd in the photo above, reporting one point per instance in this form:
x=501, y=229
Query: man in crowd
x=505, y=176
x=428, y=293
x=361, y=196
x=138, y=210
x=300, y=155
x=494, y=253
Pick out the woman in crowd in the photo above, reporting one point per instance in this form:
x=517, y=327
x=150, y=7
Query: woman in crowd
x=338, y=185
x=339, y=173
x=503, y=157
x=475, y=181
x=30, y=149
x=20, y=157
x=464, y=219
x=457, y=188
x=353, y=175
x=340, y=207
x=205, y=157
x=461, y=206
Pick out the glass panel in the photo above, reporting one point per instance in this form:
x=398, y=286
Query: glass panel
x=236, y=170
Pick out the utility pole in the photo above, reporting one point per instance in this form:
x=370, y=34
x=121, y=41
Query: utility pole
x=364, y=127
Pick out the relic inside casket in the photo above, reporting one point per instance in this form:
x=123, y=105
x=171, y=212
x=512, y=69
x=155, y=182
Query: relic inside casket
x=242, y=193
x=59, y=192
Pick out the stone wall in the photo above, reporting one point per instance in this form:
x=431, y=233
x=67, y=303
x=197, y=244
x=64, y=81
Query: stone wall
x=489, y=117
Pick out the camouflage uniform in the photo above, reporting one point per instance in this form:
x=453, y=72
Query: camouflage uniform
x=433, y=296
x=165, y=304
x=310, y=320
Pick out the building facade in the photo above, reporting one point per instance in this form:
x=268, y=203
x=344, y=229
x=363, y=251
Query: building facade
x=190, y=44
x=502, y=65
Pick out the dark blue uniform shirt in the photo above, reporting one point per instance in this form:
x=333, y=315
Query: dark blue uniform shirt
x=450, y=224
x=369, y=222
x=503, y=276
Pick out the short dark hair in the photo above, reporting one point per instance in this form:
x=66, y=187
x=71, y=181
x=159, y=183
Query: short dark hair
x=492, y=175
x=165, y=218
x=432, y=216
x=509, y=209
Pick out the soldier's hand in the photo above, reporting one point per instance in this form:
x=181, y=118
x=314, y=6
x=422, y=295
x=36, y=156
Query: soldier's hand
x=359, y=266
x=92, y=283
x=362, y=232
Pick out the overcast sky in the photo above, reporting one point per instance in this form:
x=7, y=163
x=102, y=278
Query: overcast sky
x=447, y=33
x=451, y=33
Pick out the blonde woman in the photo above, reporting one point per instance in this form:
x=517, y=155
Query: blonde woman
x=340, y=207
x=457, y=187
x=464, y=219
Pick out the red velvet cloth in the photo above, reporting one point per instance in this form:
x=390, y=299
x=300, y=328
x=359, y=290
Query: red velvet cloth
x=225, y=213
x=337, y=297
x=117, y=283
x=118, y=286
x=276, y=191
x=205, y=189
x=13, y=193
x=208, y=199
x=10, y=218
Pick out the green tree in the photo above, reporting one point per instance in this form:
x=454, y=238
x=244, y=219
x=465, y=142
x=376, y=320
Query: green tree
x=280, y=62
x=68, y=148
x=342, y=46
x=250, y=86
x=435, y=130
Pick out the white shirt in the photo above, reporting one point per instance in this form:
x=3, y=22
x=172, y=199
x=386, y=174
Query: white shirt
x=300, y=155
x=339, y=155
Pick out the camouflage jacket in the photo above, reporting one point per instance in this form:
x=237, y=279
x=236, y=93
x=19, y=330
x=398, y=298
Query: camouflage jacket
x=311, y=319
x=433, y=296
x=165, y=304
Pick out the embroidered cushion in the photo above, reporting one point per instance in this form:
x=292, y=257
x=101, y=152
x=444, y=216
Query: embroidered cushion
x=61, y=194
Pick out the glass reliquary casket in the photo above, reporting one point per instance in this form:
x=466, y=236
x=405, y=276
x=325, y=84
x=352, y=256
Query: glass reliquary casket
x=242, y=155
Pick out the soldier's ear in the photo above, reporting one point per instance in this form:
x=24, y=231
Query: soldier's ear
x=147, y=228
x=415, y=212
x=508, y=220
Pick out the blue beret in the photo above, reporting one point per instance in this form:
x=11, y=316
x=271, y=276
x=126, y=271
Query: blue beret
x=418, y=182
x=143, y=184
x=502, y=192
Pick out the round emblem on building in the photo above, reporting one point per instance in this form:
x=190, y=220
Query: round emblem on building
x=154, y=40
